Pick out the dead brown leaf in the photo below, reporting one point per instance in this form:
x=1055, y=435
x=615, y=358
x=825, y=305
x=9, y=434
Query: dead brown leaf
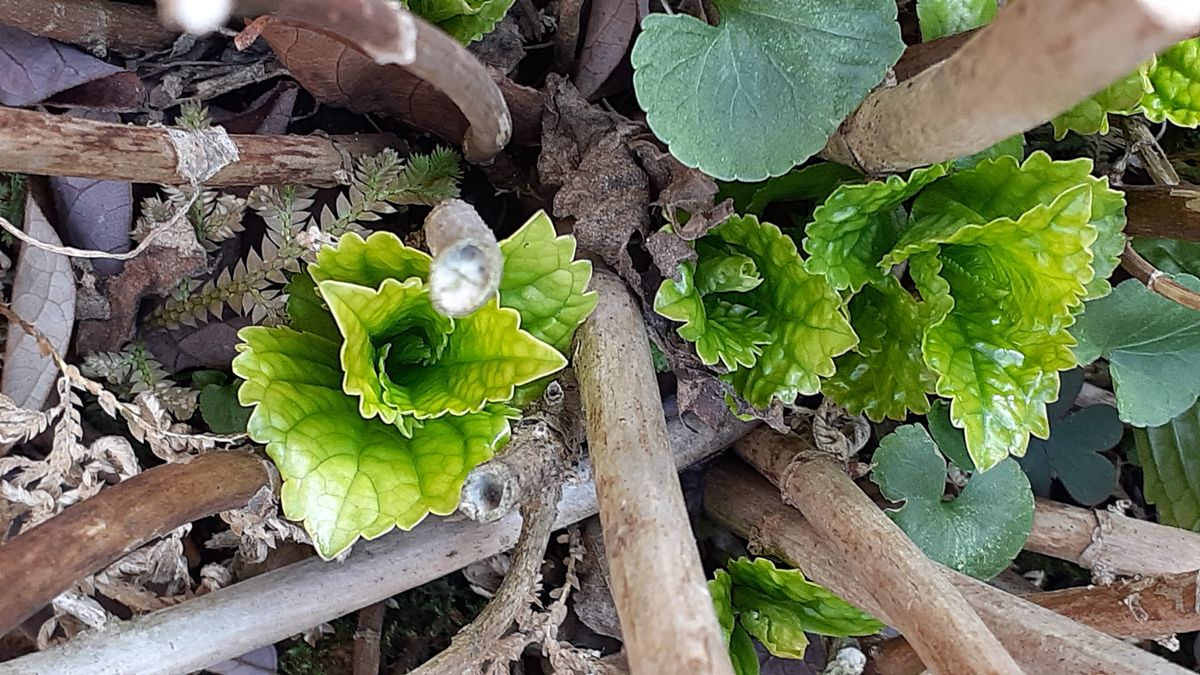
x=681, y=188
x=585, y=151
x=340, y=75
x=610, y=29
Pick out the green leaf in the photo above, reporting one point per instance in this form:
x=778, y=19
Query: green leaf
x=1007, y=290
x=1175, y=86
x=779, y=606
x=1170, y=459
x=722, y=332
x=368, y=262
x=939, y=18
x=220, y=409
x=885, y=376
x=1006, y=188
x=813, y=183
x=1072, y=453
x=949, y=438
x=737, y=640
x=1013, y=146
x=307, y=312
x=858, y=224
x=804, y=316
x=765, y=89
x=742, y=653
x=979, y=532
x=465, y=20
x=544, y=283
x=1152, y=346
x=1170, y=255
x=1090, y=116
x=346, y=476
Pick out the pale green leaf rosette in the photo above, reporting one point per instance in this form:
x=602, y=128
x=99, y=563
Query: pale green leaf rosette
x=1175, y=86
x=465, y=20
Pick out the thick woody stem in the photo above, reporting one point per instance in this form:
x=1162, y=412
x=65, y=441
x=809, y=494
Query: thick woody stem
x=1040, y=640
x=367, y=652
x=912, y=591
x=97, y=25
x=1171, y=212
x=390, y=34
x=467, y=263
x=92, y=534
x=1034, y=61
x=55, y=145
x=658, y=585
x=1109, y=543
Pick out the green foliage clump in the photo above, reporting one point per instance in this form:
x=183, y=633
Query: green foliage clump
x=373, y=406
x=1002, y=255
x=465, y=20
x=764, y=89
x=1171, y=468
x=980, y=531
x=777, y=606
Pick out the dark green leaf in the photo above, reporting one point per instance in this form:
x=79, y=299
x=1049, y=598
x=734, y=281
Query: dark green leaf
x=1170, y=459
x=221, y=411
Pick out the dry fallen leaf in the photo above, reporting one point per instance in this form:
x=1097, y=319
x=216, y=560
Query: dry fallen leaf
x=610, y=29
x=43, y=293
x=33, y=69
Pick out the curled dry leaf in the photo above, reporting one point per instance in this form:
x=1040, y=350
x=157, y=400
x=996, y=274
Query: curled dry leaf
x=610, y=29
x=338, y=74
x=585, y=153
x=43, y=293
x=681, y=188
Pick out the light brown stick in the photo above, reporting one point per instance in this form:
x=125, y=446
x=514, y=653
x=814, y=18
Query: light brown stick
x=96, y=25
x=1156, y=281
x=1040, y=640
x=658, y=585
x=93, y=534
x=1109, y=543
x=1171, y=212
x=921, y=603
x=220, y=625
x=1034, y=61
x=367, y=654
x=55, y=145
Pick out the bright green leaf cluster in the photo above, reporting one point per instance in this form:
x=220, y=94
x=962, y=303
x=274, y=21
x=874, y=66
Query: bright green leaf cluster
x=764, y=89
x=753, y=597
x=977, y=533
x=939, y=18
x=750, y=305
x=465, y=20
x=375, y=407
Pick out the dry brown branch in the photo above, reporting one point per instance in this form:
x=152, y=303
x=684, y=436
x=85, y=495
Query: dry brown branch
x=90, y=535
x=366, y=639
x=918, y=599
x=1171, y=212
x=1157, y=281
x=390, y=34
x=472, y=642
x=55, y=145
x=1040, y=640
x=493, y=489
x=658, y=584
x=1054, y=54
x=228, y=622
x=1109, y=543
x=96, y=25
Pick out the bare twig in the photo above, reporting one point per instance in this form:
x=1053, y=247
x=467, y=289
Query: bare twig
x=90, y=535
x=228, y=622
x=391, y=34
x=472, y=642
x=367, y=654
x=493, y=489
x=1157, y=281
x=467, y=263
x=1171, y=212
x=97, y=25
x=55, y=145
x=918, y=599
x=1055, y=54
x=658, y=584
x=1109, y=543
x=1040, y=640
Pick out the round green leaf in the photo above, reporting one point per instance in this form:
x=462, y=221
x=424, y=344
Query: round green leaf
x=764, y=90
x=978, y=533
